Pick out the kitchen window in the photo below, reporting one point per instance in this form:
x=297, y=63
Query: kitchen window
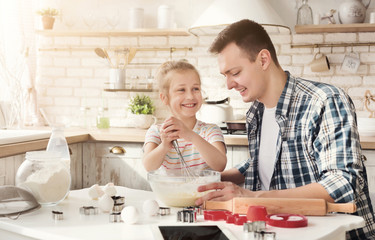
x=17, y=62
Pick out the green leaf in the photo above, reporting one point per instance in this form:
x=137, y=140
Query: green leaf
x=141, y=105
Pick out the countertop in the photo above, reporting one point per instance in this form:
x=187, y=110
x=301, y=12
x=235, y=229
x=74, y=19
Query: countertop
x=76, y=135
x=40, y=225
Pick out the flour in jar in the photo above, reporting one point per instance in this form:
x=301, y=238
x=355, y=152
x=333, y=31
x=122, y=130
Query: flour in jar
x=49, y=185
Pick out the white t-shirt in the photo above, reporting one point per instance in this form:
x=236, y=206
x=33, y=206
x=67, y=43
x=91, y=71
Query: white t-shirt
x=267, y=151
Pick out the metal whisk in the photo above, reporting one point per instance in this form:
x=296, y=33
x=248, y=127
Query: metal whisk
x=185, y=166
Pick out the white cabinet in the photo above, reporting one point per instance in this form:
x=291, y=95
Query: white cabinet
x=370, y=167
x=10, y=165
x=76, y=165
x=102, y=166
x=235, y=155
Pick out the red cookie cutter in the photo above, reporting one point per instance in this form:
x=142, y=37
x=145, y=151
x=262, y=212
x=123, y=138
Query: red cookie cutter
x=286, y=220
x=217, y=215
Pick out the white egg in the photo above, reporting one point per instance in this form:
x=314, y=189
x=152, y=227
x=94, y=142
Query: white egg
x=129, y=215
x=110, y=189
x=150, y=207
x=106, y=203
x=95, y=192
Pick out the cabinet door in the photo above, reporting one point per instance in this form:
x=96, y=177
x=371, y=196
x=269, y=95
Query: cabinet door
x=370, y=167
x=9, y=167
x=101, y=166
x=235, y=155
x=76, y=165
x=240, y=153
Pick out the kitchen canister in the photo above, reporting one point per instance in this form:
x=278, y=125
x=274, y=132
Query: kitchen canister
x=117, y=77
x=136, y=18
x=45, y=175
x=166, y=17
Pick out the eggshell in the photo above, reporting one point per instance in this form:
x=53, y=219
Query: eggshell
x=95, y=192
x=110, y=189
x=106, y=203
x=129, y=215
x=150, y=207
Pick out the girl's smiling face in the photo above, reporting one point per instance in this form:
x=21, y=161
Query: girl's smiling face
x=184, y=96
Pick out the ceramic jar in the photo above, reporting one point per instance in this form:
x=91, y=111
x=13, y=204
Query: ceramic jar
x=352, y=11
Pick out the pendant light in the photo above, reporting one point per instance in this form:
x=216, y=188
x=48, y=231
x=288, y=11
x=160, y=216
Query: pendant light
x=223, y=12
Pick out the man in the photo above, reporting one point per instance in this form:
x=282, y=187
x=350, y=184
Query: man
x=303, y=137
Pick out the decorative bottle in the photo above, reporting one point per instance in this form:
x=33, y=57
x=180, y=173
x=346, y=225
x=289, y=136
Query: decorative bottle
x=102, y=120
x=304, y=14
x=57, y=143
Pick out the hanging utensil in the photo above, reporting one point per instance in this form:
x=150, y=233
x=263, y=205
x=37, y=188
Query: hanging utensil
x=103, y=54
x=132, y=52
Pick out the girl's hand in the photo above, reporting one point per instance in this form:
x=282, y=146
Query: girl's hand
x=175, y=128
x=166, y=139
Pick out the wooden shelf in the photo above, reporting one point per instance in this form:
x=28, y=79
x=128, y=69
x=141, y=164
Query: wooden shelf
x=128, y=90
x=335, y=28
x=115, y=33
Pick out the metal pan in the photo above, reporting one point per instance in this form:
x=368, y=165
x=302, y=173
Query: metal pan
x=236, y=125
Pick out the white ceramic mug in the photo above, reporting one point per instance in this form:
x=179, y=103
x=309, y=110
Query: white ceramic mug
x=320, y=63
x=351, y=63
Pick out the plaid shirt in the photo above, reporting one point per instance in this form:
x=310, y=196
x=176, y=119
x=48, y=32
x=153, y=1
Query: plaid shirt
x=318, y=142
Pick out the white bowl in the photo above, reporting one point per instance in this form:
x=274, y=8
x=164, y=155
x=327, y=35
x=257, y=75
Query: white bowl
x=180, y=191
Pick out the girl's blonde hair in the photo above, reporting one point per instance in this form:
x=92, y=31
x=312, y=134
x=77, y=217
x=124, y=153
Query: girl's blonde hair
x=163, y=81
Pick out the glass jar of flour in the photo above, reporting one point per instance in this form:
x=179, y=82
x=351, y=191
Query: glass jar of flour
x=46, y=176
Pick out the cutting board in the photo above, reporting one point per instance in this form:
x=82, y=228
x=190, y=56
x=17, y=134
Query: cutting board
x=308, y=207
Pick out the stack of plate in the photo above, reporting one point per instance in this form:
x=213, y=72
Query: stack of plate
x=366, y=126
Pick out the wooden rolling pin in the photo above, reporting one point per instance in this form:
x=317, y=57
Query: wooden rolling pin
x=303, y=206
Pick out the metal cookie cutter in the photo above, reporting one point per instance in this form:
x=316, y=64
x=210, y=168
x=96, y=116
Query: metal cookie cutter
x=256, y=226
x=115, y=217
x=56, y=215
x=88, y=210
x=189, y=216
x=118, y=207
x=118, y=200
x=198, y=210
x=262, y=235
x=163, y=211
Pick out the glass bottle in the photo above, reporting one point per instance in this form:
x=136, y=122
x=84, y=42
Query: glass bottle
x=304, y=14
x=57, y=143
x=102, y=120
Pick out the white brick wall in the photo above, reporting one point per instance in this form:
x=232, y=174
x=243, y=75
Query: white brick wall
x=70, y=79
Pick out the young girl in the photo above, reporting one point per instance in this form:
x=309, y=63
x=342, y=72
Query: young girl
x=201, y=144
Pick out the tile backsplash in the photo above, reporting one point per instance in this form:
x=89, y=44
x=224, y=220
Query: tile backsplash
x=71, y=78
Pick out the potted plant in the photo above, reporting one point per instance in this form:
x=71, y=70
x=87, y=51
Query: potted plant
x=141, y=109
x=48, y=17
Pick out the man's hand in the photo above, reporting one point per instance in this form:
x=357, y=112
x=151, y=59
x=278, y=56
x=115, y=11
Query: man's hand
x=224, y=191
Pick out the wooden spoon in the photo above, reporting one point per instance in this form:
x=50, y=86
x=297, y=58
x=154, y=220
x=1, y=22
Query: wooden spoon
x=131, y=55
x=103, y=54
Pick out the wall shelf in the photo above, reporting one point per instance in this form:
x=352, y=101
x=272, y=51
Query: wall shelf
x=115, y=33
x=128, y=90
x=335, y=28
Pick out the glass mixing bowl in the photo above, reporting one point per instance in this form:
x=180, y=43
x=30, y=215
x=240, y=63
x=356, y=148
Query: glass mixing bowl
x=180, y=191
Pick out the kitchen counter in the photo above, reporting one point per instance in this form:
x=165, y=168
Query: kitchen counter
x=40, y=225
x=76, y=135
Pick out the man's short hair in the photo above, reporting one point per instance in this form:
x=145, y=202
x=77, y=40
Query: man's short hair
x=249, y=36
